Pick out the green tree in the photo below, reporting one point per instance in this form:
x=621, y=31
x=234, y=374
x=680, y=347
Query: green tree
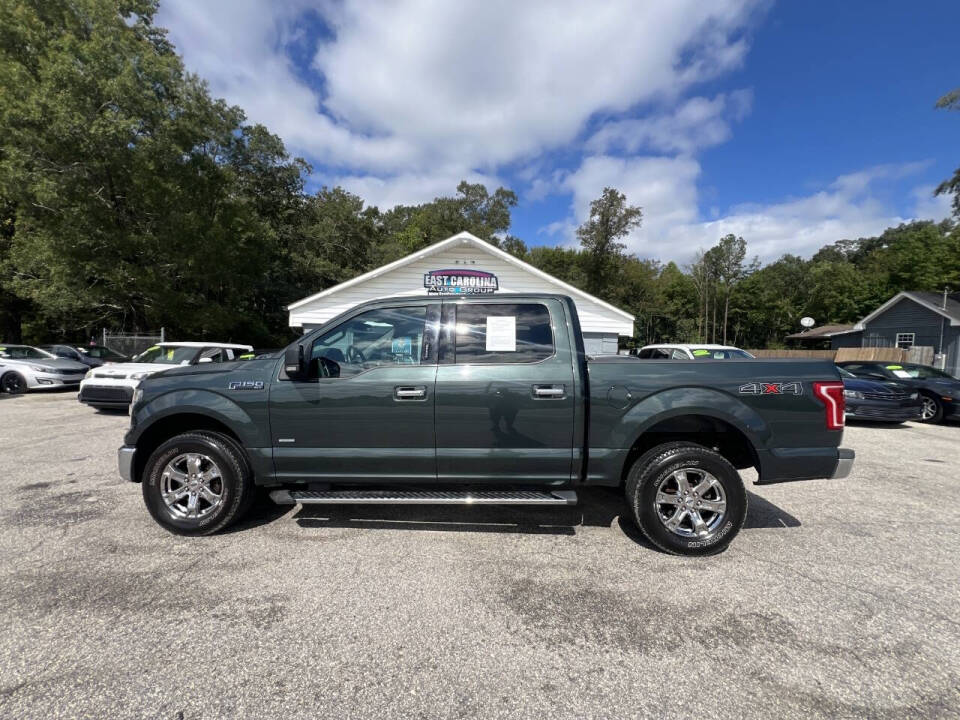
x=951, y=101
x=138, y=197
x=610, y=220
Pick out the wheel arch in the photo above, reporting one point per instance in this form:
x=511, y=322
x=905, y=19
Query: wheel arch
x=174, y=424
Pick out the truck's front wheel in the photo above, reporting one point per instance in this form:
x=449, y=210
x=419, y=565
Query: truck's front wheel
x=197, y=483
x=686, y=498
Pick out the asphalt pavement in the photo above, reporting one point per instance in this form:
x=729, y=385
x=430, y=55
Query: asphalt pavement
x=838, y=599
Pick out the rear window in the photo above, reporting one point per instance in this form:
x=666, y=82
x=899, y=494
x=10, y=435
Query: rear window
x=503, y=333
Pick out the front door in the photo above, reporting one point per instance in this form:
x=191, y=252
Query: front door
x=365, y=414
x=505, y=394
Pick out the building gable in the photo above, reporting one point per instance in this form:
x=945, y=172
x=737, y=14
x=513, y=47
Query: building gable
x=405, y=277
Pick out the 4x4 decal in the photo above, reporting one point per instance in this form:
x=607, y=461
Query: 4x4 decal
x=774, y=388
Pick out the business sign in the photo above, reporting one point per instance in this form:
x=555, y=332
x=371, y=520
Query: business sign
x=460, y=282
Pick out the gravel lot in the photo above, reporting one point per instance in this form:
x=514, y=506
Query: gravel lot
x=839, y=598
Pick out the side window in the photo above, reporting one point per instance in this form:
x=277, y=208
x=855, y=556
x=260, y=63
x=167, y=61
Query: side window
x=386, y=336
x=644, y=354
x=679, y=354
x=659, y=353
x=503, y=333
x=212, y=355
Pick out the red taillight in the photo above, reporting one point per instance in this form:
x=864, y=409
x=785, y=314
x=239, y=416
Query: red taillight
x=831, y=395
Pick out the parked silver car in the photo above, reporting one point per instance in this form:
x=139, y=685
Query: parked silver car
x=24, y=368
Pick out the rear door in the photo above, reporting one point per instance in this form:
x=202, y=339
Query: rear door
x=505, y=393
x=365, y=414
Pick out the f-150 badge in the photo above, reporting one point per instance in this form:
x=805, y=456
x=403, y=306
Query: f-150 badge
x=765, y=388
x=246, y=385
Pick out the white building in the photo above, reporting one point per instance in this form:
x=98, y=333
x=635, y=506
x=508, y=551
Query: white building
x=463, y=264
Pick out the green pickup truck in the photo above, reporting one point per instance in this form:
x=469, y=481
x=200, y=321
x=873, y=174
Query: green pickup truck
x=486, y=399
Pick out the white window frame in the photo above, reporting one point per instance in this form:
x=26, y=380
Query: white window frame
x=910, y=338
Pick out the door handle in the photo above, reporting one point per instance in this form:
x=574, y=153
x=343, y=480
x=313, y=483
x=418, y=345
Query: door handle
x=410, y=392
x=555, y=392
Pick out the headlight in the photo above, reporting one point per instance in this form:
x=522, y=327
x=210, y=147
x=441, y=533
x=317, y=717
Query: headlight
x=138, y=375
x=854, y=394
x=41, y=368
x=137, y=397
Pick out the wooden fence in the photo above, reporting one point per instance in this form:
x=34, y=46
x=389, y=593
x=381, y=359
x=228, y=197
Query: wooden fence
x=917, y=354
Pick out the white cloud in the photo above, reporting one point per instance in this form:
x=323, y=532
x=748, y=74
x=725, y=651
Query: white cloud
x=928, y=206
x=697, y=123
x=416, y=85
x=848, y=207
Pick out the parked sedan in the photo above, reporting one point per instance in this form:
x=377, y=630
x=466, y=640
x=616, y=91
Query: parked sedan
x=882, y=401
x=23, y=368
x=939, y=391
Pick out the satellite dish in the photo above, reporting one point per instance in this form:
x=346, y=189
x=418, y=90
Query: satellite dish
x=808, y=322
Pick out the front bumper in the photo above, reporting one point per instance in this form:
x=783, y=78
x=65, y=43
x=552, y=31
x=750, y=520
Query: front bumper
x=125, y=458
x=884, y=410
x=49, y=381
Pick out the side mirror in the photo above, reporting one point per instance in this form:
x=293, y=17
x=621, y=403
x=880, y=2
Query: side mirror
x=294, y=362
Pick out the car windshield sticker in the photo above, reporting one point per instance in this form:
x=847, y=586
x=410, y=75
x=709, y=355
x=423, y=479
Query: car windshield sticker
x=170, y=352
x=894, y=367
x=152, y=347
x=401, y=346
x=902, y=374
x=501, y=333
x=701, y=353
x=460, y=282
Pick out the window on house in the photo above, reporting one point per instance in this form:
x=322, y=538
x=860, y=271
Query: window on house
x=905, y=340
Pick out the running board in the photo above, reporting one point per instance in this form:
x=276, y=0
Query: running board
x=424, y=497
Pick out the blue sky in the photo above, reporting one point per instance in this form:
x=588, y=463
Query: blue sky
x=792, y=124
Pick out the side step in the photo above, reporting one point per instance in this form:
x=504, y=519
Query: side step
x=424, y=497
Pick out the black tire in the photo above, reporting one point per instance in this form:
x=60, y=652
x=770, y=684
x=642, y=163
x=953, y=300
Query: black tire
x=937, y=415
x=236, y=486
x=655, y=467
x=13, y=383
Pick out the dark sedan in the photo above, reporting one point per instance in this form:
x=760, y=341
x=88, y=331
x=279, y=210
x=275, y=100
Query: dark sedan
x=939, y=391
x=89, y=355
x=881, y=401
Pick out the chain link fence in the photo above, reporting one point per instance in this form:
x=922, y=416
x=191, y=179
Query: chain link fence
x=130, y=344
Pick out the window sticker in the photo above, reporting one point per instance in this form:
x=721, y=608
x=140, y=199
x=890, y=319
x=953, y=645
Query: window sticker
x=170, y=352
x=718, y=355
x=401, y=346
x=894, y=367
x=701, y=353
x=502, y=333
x=901, y=374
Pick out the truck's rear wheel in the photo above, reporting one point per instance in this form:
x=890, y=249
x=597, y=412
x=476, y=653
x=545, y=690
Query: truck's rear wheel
x=197, y=483
x=686, y=498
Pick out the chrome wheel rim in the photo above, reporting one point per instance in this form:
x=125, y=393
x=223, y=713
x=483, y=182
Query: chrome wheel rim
x=191, y=486
x=690, y=502
x=929, y=408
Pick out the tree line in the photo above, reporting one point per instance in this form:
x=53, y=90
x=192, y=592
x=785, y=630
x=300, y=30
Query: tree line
x=132, y=199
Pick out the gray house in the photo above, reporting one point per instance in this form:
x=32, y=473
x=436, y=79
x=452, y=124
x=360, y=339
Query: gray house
x=907, y=319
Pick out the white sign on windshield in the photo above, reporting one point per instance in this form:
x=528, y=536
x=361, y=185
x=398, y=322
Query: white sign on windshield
x=501, y=333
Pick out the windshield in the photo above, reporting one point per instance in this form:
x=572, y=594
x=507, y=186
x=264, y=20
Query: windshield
x=845, y=373
x=724, y=354
x=167, y=355
x=23, y=352
x=99, y=351
x=921, y=372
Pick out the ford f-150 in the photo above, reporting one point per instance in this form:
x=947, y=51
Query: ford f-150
x=484, y=399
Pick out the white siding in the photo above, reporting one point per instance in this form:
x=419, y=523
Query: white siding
x=407, y=280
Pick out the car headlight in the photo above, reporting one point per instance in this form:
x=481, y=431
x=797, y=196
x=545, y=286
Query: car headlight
x=41, y=368
x=138, y=375
x=854, y=394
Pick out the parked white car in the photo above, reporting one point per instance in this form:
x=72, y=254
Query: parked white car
x=675, y=351
x=23, y=367
x=112, y=386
